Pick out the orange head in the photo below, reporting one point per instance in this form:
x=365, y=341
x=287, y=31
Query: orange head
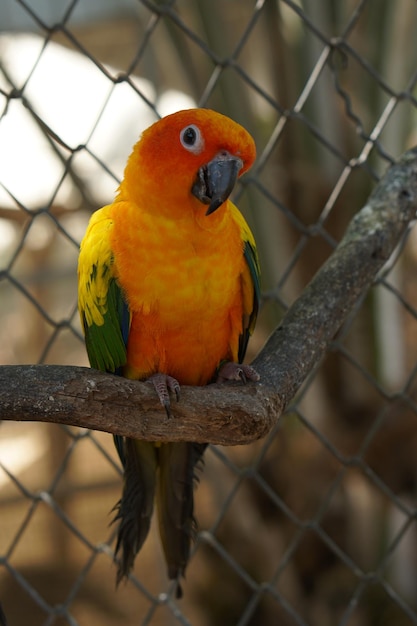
x=190, y=158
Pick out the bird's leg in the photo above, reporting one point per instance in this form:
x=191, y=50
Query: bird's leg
x=236, y=371
x=163, y=384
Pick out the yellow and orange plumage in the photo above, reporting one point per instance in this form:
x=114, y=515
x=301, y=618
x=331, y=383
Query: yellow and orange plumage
x=168, y=290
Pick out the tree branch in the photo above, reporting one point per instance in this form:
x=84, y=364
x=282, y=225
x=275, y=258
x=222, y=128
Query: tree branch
x=230, y=414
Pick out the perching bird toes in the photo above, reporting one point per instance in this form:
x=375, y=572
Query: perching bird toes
x=163, y=384
x=236, y=371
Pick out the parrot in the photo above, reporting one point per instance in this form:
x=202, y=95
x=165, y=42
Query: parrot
x=169, y=292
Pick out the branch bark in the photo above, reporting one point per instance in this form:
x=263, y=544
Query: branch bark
x=230, y=414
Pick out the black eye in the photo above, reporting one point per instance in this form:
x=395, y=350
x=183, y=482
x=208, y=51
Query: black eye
x=191, y=139
x=189, y=136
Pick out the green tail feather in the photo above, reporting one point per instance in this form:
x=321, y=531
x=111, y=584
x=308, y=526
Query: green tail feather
x=175, y=500
x=134, y=510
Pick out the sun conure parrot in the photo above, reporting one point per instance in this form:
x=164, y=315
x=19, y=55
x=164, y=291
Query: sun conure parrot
x=169, y=292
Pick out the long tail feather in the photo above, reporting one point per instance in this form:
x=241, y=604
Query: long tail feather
x=134, y=510
x=175, y=500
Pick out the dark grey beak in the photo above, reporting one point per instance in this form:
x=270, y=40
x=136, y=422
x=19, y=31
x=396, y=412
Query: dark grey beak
x=215, y=180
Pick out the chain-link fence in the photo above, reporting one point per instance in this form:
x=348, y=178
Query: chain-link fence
x=315, y=524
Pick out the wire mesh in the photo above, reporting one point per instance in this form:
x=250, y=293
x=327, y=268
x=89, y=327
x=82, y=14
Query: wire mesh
x=315, y=524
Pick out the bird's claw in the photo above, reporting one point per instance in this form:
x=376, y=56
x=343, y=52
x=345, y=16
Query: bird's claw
x=236, y=371
x=163, y=384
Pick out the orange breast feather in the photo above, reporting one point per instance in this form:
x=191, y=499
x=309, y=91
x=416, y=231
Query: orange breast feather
x=183, y=285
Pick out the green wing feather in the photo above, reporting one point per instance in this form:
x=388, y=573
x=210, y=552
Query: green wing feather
x=252, y=260
x=106, y=347
x=251, y=287
x=103, y=309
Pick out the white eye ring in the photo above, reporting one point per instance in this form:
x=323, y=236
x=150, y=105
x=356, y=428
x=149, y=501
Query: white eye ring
x=192, y=139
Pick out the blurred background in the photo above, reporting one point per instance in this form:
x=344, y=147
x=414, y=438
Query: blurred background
x=315, y=524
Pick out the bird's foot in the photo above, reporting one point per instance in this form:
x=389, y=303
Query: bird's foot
x=236, y=371
x=163, y=384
